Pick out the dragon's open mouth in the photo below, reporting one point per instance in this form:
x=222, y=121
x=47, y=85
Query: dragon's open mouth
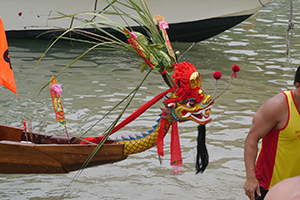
x=201, y=115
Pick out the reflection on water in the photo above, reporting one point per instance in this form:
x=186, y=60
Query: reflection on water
x=93, y=85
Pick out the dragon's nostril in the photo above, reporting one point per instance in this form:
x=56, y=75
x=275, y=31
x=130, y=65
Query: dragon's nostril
x=184, y=112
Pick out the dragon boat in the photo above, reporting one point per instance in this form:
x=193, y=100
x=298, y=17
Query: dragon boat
x=27, y=151
x=24, y=151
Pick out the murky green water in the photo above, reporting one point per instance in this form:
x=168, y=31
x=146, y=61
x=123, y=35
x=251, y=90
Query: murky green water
x=102, y=78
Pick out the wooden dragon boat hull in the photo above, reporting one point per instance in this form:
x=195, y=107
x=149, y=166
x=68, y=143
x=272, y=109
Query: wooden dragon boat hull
x=50, y=153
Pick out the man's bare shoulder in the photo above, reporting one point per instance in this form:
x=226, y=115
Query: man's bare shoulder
x=275, y=104
x=272, y=114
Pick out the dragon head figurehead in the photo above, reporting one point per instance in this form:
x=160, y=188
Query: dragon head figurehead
x=187, y=101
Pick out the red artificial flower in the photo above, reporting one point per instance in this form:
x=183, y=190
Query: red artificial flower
x=217, y=75
x=235, y=69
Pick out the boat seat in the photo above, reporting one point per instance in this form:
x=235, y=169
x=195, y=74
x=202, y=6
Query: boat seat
x=57, y=139
x=46, y=138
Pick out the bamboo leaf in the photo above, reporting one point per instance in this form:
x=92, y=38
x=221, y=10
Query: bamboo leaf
x=143, y=66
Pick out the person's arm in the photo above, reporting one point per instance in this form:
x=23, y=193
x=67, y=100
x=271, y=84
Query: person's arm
x=265, y=119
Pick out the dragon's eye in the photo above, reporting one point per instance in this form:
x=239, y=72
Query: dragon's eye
x=191, y=103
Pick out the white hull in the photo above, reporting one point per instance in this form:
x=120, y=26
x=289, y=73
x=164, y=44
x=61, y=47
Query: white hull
x=29, y=15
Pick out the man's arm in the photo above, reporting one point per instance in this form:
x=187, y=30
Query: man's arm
x=266, y=118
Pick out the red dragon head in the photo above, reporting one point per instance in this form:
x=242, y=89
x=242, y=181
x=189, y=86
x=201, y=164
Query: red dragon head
x=188, y=101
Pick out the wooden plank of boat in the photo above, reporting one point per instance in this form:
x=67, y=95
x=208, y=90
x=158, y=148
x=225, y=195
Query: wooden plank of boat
x=50, y=153
x=72, y=157
x=17, y=157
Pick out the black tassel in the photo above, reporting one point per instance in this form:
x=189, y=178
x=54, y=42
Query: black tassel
x=201, y=150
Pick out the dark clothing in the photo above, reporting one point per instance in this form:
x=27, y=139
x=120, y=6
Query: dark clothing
x=263, y=192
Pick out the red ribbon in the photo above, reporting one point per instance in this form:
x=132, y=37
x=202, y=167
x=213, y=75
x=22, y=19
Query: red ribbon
x=141, y=110
x=233, y=75
x=160, y=137
x=176, y=158
x=133, y=116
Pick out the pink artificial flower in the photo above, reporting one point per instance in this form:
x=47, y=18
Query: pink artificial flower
x=164, y=24
x=133, y=35
x=217, y=75
x=56, y=88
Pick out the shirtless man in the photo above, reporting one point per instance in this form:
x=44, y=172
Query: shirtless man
x=277, y=123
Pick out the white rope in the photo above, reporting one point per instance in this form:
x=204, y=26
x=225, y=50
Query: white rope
x=289, y=37
x=261, y=3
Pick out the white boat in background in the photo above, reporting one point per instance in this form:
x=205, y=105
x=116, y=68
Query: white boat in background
x=189, y=20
